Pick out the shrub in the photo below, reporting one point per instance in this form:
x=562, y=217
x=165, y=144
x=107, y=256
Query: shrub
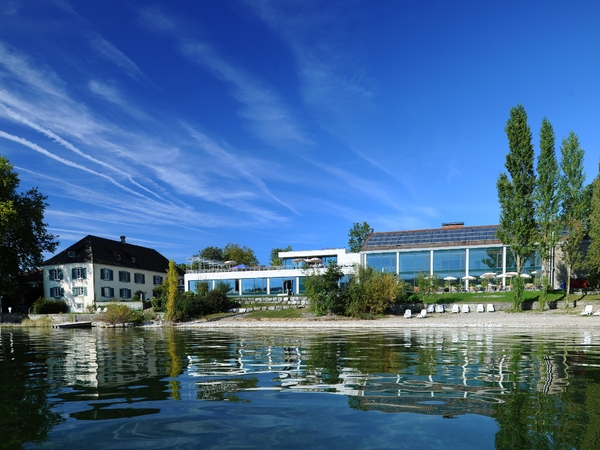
x=50, y=306
x=324, y=291
x=118, y=314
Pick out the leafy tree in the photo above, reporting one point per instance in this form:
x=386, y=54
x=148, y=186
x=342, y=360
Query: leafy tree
x=214, y=253
x=23, y=234
x=371, y=292
x=275, y=261
x=358, y=234
x=324, y=290
x=241, y=255
x=546, y=199
x=574, y=205
x=516, y=193
x=172, y=283
x=427, y=284
x=593, y=254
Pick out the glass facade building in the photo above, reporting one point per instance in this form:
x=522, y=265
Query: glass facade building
x=452, y=251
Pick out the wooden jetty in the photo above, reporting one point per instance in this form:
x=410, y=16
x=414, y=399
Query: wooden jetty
x=86, y=324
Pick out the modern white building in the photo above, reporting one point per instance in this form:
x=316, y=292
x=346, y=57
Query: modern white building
x=96, y=269
x=288, y=278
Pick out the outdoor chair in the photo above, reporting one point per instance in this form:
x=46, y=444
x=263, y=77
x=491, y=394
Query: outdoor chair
x=597, y=313
x=430, y=308
x=465, y=308
x=439, y=308
x=455, y=309
x=408, y=314
x=480, y=308
x=490, y=308
x=422, y=314
x=589, y=309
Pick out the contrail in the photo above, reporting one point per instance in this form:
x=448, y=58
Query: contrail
x=66, y=162
x=74, y=149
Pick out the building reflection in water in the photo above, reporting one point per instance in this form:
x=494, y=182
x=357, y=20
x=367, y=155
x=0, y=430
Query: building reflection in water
x=429, y=371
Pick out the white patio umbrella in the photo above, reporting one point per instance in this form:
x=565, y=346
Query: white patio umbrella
x=525, y=276
x=450, y=279
x=230, y=263
x=468, y=278
x=488, y=276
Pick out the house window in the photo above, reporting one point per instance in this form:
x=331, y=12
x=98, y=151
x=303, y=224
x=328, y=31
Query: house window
x=124, y=277
x=71, y=254
x=140, y=278
x=55, y=274
x=106, y=274
x=56, y=292
x=125, y=293
x=133, y=259
x=118, y=257
x=77, y=291
x=78, y=273
x=157, y=280
x=108, y=292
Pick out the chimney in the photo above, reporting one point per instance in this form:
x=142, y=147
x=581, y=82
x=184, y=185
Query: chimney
x=453, y=225
x=123, y=240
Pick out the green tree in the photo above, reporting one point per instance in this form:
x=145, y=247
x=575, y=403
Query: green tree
x=214, y=253
x=23, y=234
x=239, y=254
x=546, y=200
x=358, y=235
x=593, y=253
x=515, y=193
x=370, y=292
x=324, y=290
x=427, y=284
x=172, y=283
x=274, y=259
x=574, y=205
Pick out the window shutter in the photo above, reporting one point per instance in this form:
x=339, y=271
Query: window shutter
x=112, y=290
x=83, y=273
x=110, y=275
x=60, y=273
x=74, y=274
x=62, y=292
x=84, y=290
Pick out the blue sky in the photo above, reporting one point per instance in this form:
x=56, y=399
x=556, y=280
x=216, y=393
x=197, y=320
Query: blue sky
x=188, y=124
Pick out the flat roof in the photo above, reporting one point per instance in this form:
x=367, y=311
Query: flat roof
x=435, y=237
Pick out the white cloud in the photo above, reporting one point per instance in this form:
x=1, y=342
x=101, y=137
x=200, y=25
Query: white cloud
x=111, y=53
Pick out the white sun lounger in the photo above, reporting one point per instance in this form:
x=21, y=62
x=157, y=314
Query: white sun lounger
x=408, y=314
x=589, y=309
x=480, y=308
x=430, y=308
x=597, y=313
x=439, y=308
x=490, y=308
x=455, y=309
x=465, y=308
x=422, y=314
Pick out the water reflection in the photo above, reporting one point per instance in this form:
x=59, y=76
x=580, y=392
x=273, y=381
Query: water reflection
x=541, y=390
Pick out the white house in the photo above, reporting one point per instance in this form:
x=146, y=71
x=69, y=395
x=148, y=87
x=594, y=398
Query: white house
x=288, y=278
x=96, y=269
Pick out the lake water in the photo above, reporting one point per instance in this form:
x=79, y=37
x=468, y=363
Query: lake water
x=376, y=389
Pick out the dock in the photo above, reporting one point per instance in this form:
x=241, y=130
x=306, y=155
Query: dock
x=86, y=324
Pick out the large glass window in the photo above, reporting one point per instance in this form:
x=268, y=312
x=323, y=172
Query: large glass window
x=482, y=260
x=413, y=263
x=449, y=263
x=382, y=262
x=253, y=286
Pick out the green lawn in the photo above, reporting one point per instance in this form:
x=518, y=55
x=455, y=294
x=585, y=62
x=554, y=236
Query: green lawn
x=468, y=297
x=277, y=314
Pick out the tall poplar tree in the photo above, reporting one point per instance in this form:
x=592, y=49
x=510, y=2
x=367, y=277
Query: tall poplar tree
x=172, y=283
x=574, y=205
x=515, y=194
x=546, y=197
x=593, y=253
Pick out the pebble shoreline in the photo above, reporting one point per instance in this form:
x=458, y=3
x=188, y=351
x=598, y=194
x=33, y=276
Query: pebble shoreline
x=521, y=320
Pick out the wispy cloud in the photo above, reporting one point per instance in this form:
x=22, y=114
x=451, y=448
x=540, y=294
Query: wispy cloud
x=112, y=54
x=264, y=111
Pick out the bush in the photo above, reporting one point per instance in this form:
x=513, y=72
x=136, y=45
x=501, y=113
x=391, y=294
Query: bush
x=118, y=314
x=50, y=306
